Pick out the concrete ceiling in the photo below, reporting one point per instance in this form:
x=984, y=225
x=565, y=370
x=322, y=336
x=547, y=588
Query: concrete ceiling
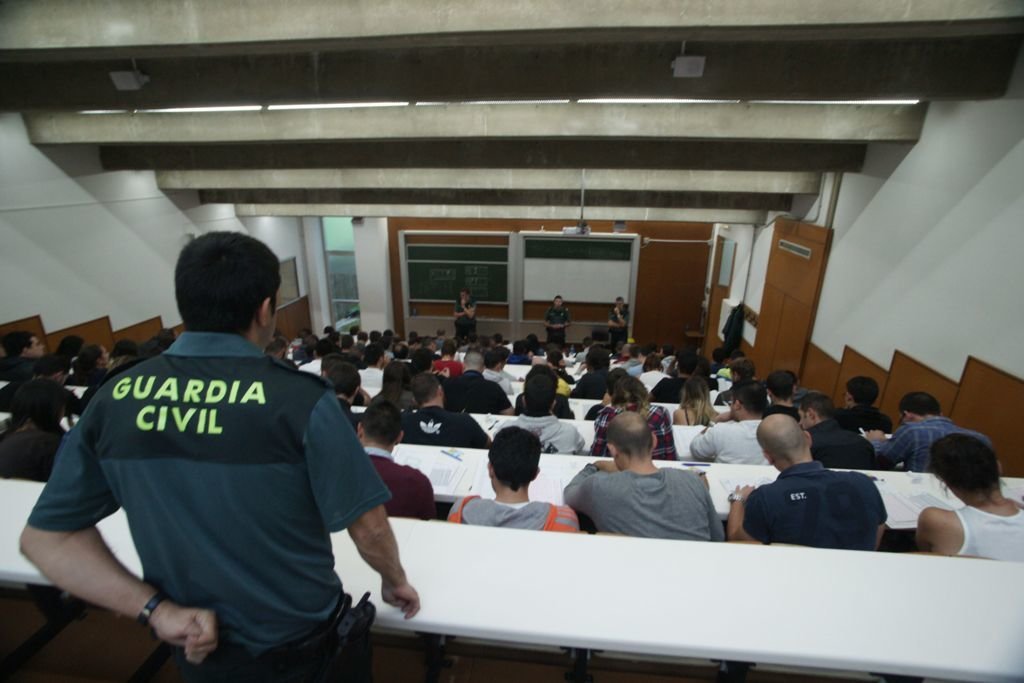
x=472, y=152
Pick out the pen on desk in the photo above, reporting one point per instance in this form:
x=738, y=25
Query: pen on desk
x=696, y=464
x=453, y=454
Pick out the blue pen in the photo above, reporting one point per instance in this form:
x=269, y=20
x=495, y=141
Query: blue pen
x=453, y=454
x=697, y=464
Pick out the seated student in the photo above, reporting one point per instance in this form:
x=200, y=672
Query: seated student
x=592, y=385
x=50, y=366
x=562, y=409
x=471, y=393
x=30, y=445
x=380, y=431
x=396, y=385
x=807, y=504
x=520, y=356
x=630, y=396
x=533, y=347
x=735, y=441
x=555, y=436
x=922, y=425
x=611, y=381
x=740, y=370
x=719, y=360
x=780, y=385
x=69, y=346
x=687, y=364
x=278, y=348
x=21, y=350
x=634, y=362
x=859, y=413
x=322, y=348
x=373, y=373
x=89, y=367
x=431, y=425
x=695, y=404
x=990, y=525
x=346, y=381
x=652, y=373
x=512, y=464
x=448, y=361
x=494, y=368
x=831, y=445
x=556, y=361
x=629, y=495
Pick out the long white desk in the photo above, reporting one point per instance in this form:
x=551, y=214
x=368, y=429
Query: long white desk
x=580, y=407
x=792, y=606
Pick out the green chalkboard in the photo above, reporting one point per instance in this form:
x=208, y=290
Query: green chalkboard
x=579, y=248
x=442, y=281
x=457, y=252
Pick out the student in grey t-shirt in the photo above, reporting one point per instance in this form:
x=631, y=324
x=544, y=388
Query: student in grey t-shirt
x=631, y=496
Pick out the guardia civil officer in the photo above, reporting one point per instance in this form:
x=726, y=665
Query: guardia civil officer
x=232, y=469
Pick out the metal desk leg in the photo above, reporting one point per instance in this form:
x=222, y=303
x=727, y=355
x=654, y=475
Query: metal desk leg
x=154, y=662
x=732, y=672
x=434, y=654
x=580, y=660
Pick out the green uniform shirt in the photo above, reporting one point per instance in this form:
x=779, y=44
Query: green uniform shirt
x=464, y=321
x=233, y=469
x=557, y=316
x=613, y=319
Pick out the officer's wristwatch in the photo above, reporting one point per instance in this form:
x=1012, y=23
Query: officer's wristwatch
x=736, y=497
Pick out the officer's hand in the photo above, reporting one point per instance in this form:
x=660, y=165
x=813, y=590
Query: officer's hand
x=403, y=596
x=189, y=627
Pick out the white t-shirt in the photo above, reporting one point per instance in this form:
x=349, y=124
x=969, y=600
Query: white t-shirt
x=992, y=536
x=729, y=442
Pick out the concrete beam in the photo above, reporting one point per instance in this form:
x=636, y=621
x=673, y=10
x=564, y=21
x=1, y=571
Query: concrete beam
x=27, y=25
x=560, y=215
x=833, y=122
x=494, y=179
x=725, y=155
x=962, y=68
x=510, y=197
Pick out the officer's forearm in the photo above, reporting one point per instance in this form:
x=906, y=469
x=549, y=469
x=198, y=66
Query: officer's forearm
x=376, y=544
x=81, y=563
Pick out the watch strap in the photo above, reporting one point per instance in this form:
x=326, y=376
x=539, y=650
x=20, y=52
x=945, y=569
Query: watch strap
x=147, y=609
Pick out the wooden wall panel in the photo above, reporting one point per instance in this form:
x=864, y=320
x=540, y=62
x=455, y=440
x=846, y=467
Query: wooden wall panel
x=179, y=328
x=294, y=317
x=769, y=320
x=821, y=371
x=140, y=332
x=792, y=340
x=794, y=275
x=906, y=375
x=434, y=309
x=990, y=401
x=96, y=331
x=854, y=364
x=33, y=325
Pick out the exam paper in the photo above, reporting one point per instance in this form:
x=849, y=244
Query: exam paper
x=444, y=472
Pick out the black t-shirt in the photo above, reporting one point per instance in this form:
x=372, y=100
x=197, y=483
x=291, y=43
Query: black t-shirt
x=433, y=426
x=592, y=385
x=471, y=393
x=782, y=410
x=563, y=411
x=28, y=455
x=863, y=417
x=833, y=446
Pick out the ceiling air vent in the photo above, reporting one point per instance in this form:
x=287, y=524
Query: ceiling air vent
x=794, y=248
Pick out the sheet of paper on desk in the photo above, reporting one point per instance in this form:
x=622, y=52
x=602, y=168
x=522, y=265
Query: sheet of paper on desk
x=730, y=483
x=1015, y=494
x=903, y=509
x=443, y=472
x=547, y=487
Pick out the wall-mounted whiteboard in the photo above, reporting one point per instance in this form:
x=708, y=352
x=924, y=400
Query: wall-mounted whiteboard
x=584, y=269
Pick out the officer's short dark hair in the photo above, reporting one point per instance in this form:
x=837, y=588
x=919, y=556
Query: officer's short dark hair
x=424, y=386
x=752, y=396
x=781, y=383
x=51, y=364
x=16, y=342
x=864, y=390
x=920, y=403
x=373, y=353
x=345, y=378
x=819, y=403
x=515, y=456
x=539, y=394
x=382, y=421
x=221, y=279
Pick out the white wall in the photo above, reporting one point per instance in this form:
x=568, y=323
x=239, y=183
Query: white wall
x=743, y=236
x=283, y=234
x=79, y=243
x=373, y=274
x=928, y=259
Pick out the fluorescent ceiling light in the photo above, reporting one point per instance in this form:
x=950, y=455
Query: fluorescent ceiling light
x=889, y=102
x=104, y=111
x=334, y=105
x=441, y=104
x=651, y=100
x=200, y=110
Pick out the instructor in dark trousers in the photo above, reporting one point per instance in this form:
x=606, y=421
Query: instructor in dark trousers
x=556, y=320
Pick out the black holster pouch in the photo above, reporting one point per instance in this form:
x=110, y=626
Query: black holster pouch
x=353, y=653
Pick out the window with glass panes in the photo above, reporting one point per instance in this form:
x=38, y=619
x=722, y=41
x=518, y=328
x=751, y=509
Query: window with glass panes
x=339, y=245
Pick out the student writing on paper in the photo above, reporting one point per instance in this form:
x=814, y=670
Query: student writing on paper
x=380, y=431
